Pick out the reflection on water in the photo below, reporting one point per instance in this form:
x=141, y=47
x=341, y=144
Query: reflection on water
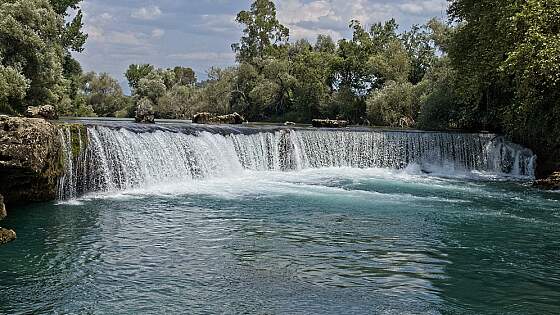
x=313, y=242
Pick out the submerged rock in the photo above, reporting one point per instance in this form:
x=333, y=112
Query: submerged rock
x=30, y=159
x=329, y=123
x=208, y=118
x=145, y=112
x=550, y=183
x=45, y=112
x=6, y=236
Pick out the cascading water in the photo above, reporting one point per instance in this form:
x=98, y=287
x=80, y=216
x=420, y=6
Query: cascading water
x=120, y=158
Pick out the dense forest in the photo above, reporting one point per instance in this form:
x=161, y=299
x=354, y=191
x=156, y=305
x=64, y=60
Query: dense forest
x=493, y=65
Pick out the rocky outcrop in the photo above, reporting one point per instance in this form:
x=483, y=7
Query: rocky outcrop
x=208, y=118
x=2, y=208
x=45, y=112
x=329, y=123
x=145, y=113
x=6, y=236
x=551, y=182
x=30, y=159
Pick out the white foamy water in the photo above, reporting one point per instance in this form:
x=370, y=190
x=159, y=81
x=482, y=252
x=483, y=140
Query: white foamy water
x=123, y=160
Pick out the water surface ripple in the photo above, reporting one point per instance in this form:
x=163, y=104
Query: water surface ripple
x=329, y=241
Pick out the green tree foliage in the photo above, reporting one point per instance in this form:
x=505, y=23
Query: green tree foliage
x=103, y=94
x=441, y=105
x=172, y=92
x=395, y=105
x=421, y=49
x=135, y=73
x=220, y=90
x=184, y=76
x=151, y=86
x=180, y=102
x=534, y=62
x=35, y=44
x=30, y=32
x=13, y=88
x=262, y=33
x=507, y=54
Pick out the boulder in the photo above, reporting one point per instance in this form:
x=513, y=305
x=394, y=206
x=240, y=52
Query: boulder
x=551, y=182
x=46, y=112
x=30, y=159
x=6, y=236
x=212, y=119
x=145, y=112
x=289, y=123
x=2, y=208
x=329, y=123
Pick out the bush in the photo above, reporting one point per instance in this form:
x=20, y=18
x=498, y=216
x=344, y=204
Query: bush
x=393, y=103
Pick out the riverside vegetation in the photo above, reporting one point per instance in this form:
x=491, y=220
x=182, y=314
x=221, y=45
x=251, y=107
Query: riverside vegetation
x=494, y=65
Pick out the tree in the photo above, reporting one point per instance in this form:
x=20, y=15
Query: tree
x=325, y=44
x=34, y=42
x=421, y=51
x=184, y=76
x=135, y=73
x=13, y=87
x=441, y=106
x=477, y=48
x=220, y=90
x=312, y=73
x=507, y=54
x=262, y=33
x=72, y=37
x=181, y=102
x=395, y=103
x=103, y=94
x=30, y=32
x=151, y=86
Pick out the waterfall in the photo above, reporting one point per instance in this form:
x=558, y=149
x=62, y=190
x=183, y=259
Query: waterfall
x=121, y=158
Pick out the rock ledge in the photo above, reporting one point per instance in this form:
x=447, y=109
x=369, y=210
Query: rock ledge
x=30, y=159
x=550, y=183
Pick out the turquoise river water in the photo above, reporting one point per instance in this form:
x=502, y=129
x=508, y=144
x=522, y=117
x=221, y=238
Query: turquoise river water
x=329, y=241
x=186, y=219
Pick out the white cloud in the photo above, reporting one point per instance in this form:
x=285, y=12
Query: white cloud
x=147, y=13
x=94, y=33
x=106, y=16
x=423, y=7
x=307, y=19
x=158, y=33
x=218, y=22
x=297, y=32
x=204, y=56
x=294, y=11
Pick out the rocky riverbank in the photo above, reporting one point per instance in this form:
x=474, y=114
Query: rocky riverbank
x=6, y=235
x=30, y=159
x=551, y=182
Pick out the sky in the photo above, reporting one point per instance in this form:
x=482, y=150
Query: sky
x=199, y=33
